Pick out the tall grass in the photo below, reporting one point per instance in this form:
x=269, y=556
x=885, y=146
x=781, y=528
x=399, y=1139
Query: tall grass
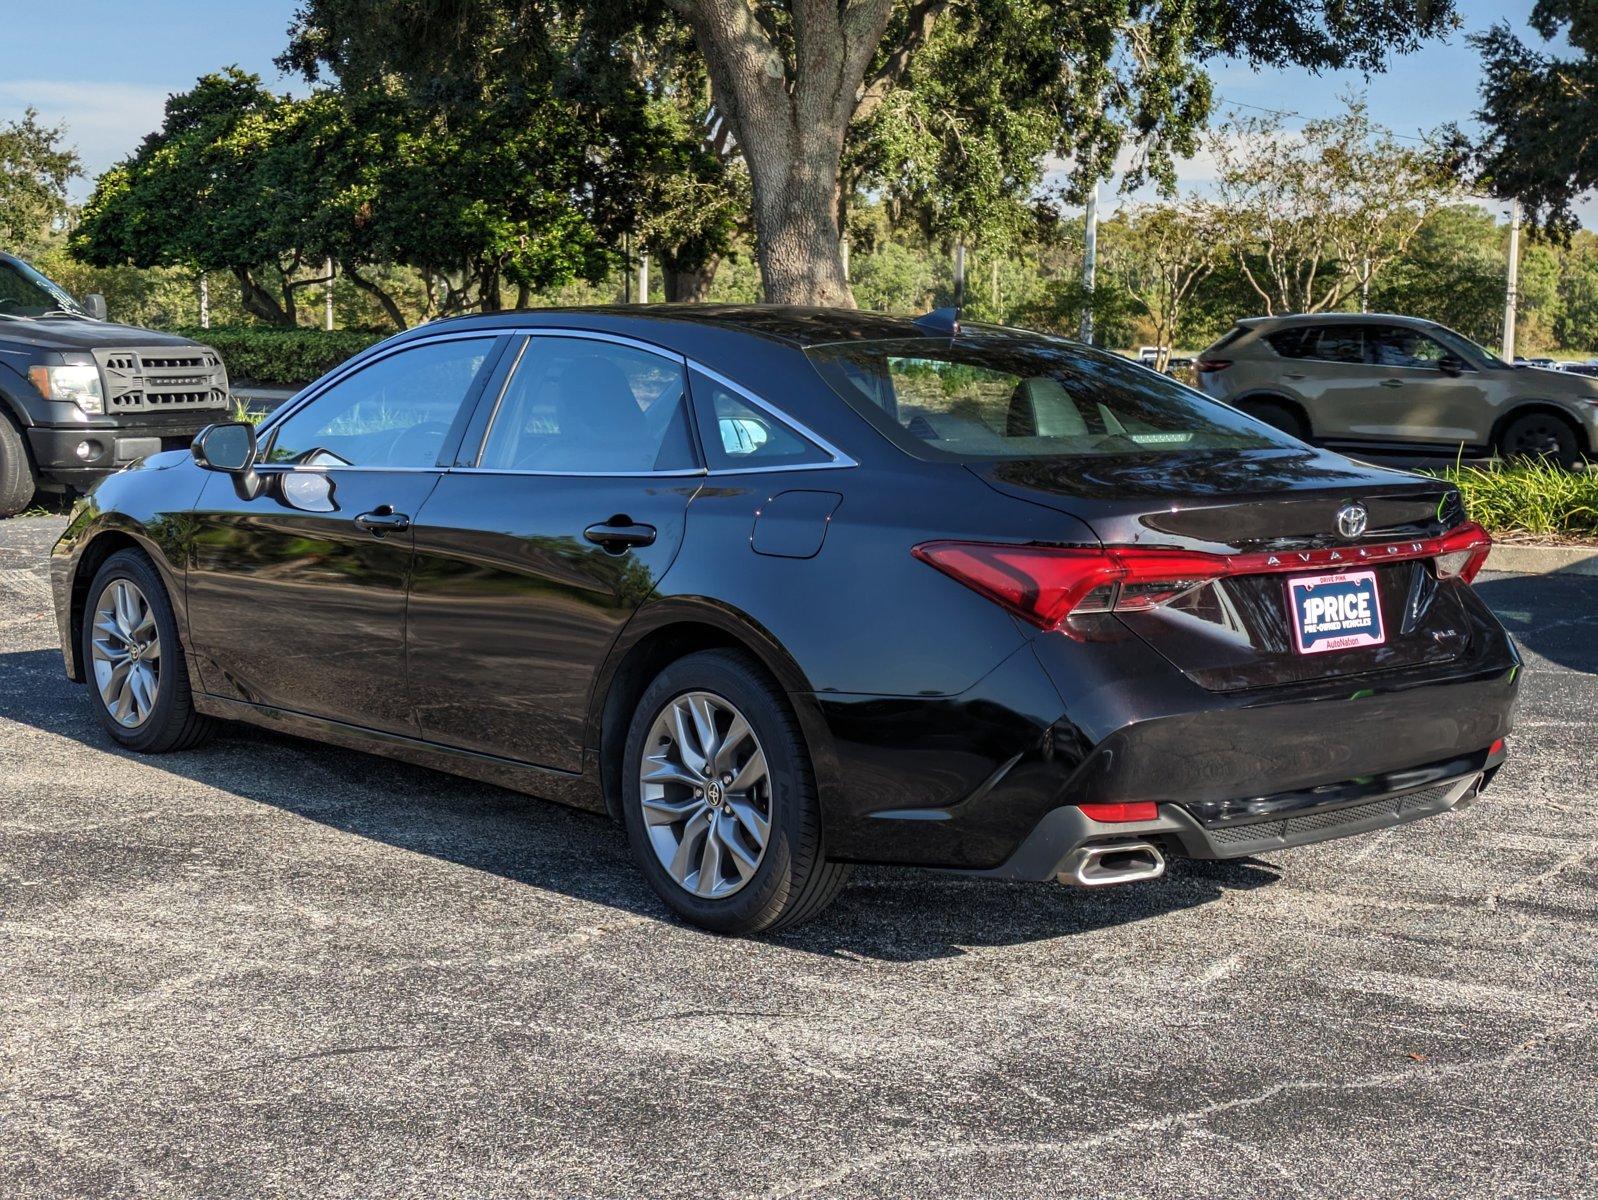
x=1537, y=499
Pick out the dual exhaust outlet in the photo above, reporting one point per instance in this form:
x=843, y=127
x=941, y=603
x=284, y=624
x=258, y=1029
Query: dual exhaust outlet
x=1110, y=863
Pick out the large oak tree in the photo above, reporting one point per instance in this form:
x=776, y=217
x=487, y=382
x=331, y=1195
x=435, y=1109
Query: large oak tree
x=792, y=76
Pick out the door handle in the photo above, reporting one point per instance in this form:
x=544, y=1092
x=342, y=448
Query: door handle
x=383, y=519
x=1392, y=383
x=619, y=534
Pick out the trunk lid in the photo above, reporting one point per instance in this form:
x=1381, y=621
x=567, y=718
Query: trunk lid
x=1237, y=632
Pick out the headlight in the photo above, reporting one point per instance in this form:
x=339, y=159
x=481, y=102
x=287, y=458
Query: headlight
x=78, y=385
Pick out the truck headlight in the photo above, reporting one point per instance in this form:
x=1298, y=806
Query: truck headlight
x=78, y=385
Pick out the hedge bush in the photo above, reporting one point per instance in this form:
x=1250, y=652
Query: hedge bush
x=1537, y=499
x=281, y=357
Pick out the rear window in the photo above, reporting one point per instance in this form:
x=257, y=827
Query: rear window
x=985, y=397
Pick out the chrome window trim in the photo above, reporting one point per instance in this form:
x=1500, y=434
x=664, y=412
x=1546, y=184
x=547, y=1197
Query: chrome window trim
x=838, y=458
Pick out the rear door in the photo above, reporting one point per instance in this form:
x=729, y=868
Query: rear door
x=565, y=509
x=296, y=594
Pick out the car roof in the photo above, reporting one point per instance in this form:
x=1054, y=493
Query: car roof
x=1288, y=320
x=793, y=324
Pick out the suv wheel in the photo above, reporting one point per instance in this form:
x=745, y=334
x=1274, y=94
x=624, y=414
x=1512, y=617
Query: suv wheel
x=16, y=474
x=138, y=678
x=1541, y=435
x=720, y=801
x=1278, y=416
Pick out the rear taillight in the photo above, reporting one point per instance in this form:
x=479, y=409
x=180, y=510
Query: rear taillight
x=1205, y=366
x=1462, y=552
x=1046, y=585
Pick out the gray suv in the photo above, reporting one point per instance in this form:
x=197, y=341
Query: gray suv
x=1367, y=382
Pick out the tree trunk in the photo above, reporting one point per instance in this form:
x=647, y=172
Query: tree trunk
x=390, y=307
x=258, y=301
x=789, y=108
x=692, y=285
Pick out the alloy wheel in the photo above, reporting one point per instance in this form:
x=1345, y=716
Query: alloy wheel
x=125, y=647
x=1536, y=439
x=706, y=795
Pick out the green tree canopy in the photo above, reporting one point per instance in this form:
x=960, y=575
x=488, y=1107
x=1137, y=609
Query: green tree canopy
x=34, y=172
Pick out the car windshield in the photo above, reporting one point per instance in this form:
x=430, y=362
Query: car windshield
x=26, y=293
x=1002, y=395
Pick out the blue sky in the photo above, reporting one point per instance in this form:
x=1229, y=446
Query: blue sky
x=104, y=67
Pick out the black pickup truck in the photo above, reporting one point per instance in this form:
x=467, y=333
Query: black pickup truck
x=81, y=397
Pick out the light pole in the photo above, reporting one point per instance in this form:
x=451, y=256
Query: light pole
x=1090, y=255
x=1512, y=282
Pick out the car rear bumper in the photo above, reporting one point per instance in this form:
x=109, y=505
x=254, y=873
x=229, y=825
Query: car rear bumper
x=1049, y=851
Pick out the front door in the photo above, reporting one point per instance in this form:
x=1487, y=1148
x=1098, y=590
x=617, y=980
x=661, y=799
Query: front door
x=532, y=557
x=1407, y=396
x=296, y=594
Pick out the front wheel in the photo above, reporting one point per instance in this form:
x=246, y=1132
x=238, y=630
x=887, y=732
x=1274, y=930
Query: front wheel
x=1544, y=436
x=138, y=679
x=16, y=473
x=720, y=801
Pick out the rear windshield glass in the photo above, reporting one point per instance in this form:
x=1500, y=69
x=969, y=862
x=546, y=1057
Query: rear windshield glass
x=1004, y=396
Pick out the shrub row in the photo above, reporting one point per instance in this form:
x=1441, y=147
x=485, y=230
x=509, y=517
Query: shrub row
x=280, y=357
x=1540, y=500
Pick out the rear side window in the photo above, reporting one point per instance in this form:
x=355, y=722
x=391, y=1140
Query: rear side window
x=580, y=406
x=739, y=435
x=1327, y=343
x=1002, y=396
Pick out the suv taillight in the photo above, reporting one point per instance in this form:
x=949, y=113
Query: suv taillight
x=1046, y=585
x=1206, y=366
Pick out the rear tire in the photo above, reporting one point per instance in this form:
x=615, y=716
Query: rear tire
x=1278, y=416
x=791, y=881
x=158, y=714
x=1541, y=435
x=16, y=472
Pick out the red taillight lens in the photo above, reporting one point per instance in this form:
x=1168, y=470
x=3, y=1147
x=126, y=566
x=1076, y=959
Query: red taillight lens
x=1206, y=365
x=1047, y=584
x=1136, y=810
x=1463, y=552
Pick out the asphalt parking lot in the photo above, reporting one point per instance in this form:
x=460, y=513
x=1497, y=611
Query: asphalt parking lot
x=266, y=968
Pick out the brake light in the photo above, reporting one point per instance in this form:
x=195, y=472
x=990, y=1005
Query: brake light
x=1046, y=585
x=1206, y=365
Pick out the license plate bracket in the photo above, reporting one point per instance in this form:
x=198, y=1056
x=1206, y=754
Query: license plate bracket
x=1341, y=610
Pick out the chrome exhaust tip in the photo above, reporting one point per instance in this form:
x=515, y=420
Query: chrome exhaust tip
x=1111, y=863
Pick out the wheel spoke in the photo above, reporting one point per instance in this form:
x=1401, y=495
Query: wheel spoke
x=751, y=773
x=698, y=827
x=682, y=722
x=744, y=860
x=669, y=812
x=666, y=771
x=752, y=819
x=142, y=686
x=736, y=733
x=709, y=861
x=704, y=724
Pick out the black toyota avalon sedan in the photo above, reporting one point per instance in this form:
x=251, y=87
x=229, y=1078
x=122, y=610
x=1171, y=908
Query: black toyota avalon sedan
x=784, y=590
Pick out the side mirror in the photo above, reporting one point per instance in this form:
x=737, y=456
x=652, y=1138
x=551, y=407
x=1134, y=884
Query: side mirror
x=1451, y=364
x=229, y=447
x=95, y=303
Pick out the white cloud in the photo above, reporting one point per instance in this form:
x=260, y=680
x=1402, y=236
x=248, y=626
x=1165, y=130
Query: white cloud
x=105, y=121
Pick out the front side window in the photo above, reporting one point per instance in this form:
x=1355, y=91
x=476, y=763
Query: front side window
x=395, y=413
x=1395, y=346
x=581, y=406
x=1010, y=397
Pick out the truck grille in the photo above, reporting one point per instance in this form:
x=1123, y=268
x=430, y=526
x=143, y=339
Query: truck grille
x=162, y=378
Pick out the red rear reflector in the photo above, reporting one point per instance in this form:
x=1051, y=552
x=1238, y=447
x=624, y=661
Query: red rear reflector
x=1205, y=365
x=1495, y=747
x=1047, y=584
x=1137, y=810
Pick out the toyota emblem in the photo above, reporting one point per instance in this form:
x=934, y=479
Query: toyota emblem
x=1351, y=520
